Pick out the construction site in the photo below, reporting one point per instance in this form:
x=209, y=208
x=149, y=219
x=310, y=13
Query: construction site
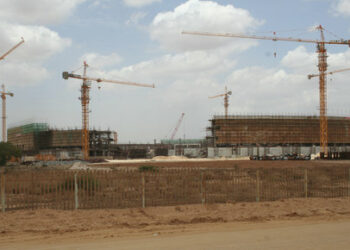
x=231, y=136
x=274, y=136
x=222, y=167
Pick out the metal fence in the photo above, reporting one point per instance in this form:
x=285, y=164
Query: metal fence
x=56, y=189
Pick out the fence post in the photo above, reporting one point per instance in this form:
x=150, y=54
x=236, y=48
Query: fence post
x=349, y=184
x=3, y=198
x=257, y=185
x=202, y=188
x=305, y=182
x=143, y=190
x=76, y=191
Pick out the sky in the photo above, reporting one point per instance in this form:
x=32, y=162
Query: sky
x=141, y=41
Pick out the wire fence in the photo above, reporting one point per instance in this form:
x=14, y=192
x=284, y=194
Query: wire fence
x=58, y=189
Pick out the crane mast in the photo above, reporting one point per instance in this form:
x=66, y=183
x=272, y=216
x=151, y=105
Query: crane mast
x=226, y=102
x=322, y=66
x=3, y=97
x=85, y=100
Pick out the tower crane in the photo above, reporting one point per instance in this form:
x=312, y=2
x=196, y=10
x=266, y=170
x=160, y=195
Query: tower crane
x=4, y=93
x=322, y=67
x=3, y=97
x=328, y=73
x=12, y=49
x=225, y=95
x=177, y=126
x=85, y=100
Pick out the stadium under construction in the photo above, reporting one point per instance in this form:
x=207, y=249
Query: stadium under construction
x=236, y=135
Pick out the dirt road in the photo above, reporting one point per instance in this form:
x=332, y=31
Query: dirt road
x=297, y=234
x=286, y=224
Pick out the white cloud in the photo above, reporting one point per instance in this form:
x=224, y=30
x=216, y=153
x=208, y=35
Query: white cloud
x=25, y=64
x=101, y=61
x=22, y=73
x=40, y=42
x=286, y=89
x=300, y=60
x=271, y=90
x=187, y=65
x=140, y=3
x=38, y=11
x=198, y=15
x=342, y=7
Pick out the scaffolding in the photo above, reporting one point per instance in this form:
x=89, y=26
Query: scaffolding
x=274, y=130
x=38, y=137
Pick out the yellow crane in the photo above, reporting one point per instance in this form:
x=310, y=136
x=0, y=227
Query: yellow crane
x=3, y=97
x=328, y=73
x=322, y=67
x=226, y=103
x=4, y=93
x=12, y=49
x=85, y=99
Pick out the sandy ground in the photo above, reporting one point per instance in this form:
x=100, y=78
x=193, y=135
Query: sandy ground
x=180, y=162
x=287, y=235
x=39, y=229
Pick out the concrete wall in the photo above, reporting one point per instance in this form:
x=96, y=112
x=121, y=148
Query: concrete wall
x=232, y=152
x=192, y=152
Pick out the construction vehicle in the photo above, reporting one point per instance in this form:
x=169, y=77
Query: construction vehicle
x=4, y=93
x=322, y=66
x=85, y=100
x=225, y=95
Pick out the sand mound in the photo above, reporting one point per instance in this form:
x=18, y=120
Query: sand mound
x=169, y=158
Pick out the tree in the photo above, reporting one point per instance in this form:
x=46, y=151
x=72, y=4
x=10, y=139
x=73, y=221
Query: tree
x=7, y=151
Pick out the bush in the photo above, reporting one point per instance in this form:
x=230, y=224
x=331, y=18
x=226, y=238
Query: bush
x=7, y=151
x=148, y=168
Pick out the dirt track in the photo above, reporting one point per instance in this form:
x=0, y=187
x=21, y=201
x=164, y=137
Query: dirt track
x=296, y=234
x=42, y=226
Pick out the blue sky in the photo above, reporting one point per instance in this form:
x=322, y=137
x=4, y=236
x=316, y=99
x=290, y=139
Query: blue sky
x=140, y=40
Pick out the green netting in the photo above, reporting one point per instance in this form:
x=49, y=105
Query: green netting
x=30, y=128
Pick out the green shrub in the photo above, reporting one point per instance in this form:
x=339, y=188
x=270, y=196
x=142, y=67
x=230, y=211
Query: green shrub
x=148, y=169
x=7, y=151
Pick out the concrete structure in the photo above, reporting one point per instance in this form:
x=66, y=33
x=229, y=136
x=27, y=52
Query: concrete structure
x=39, y=138
x=274, y=135
x=192, y=148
